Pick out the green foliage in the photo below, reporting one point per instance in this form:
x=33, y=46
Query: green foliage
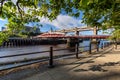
x=100, y=13
x=115, y=35
x=3, y=36
x=103, y=14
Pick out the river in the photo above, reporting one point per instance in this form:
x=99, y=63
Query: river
x=29, y=49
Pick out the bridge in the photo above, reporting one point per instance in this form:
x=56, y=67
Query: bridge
x=79, y=29
x=59, y=33
x=73, y=40
x=84, y=28
x=55, y=34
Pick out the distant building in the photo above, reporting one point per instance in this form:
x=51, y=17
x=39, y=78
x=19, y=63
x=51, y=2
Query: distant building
x=3, y=28
x=31, y=29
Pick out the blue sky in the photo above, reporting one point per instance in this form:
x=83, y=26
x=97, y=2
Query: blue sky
x=2, y=23
x=61, y=22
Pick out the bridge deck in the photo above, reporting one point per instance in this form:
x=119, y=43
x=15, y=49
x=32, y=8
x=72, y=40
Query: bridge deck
x=82, y=37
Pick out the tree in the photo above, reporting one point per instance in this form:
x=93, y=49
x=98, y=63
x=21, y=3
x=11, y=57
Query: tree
x=100, y=13
x=104, y=13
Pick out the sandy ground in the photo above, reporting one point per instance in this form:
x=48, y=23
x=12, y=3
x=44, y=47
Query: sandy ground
x=104, y=65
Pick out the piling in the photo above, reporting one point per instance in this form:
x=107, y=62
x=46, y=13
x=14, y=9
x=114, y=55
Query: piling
x=90, y=45
x=77, y=51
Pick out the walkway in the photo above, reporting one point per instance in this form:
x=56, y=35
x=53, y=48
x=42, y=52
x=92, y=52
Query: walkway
x=104, y=66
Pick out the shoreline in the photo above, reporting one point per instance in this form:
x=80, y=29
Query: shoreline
x=36, y=66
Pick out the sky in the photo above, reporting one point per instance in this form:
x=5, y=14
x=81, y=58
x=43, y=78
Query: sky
x=2, y=23
x=62, y=21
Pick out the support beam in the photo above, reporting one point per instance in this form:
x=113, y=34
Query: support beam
x=77, y=33
x=85, y=28
x=77, y=44
x=95, y=31
x=95, y=41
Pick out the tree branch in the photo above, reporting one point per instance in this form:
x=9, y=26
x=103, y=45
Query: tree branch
x=19, y=9
x=1, y=6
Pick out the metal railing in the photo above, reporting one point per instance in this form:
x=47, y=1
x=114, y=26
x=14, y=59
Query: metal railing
x=49, y=58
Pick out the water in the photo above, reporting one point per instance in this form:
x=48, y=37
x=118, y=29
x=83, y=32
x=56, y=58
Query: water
x=29, y=49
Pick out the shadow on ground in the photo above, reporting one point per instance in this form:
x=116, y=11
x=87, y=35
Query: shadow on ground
x=71, y=70
x=98, y=67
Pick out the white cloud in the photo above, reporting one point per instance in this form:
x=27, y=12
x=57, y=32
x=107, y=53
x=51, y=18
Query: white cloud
x=14, y=1
x=2, y=19
x=63, y=22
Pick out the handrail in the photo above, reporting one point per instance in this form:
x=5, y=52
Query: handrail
x=23, y=54
x=34, y=53
x=25, y=64
x=64, y=49
x=38, y=52
x=45, y=59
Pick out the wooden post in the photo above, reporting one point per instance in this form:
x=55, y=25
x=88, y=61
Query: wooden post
x=98, y=45
x=90, y=47
x=51, y=58
x=13, y=42
x=77, y=50
x=3, y=45
x=77, y=43
x=7, y=43
x=102, y=45
x=115, y=44
x=106, y=44
x=10, y=42
x=95, y=30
